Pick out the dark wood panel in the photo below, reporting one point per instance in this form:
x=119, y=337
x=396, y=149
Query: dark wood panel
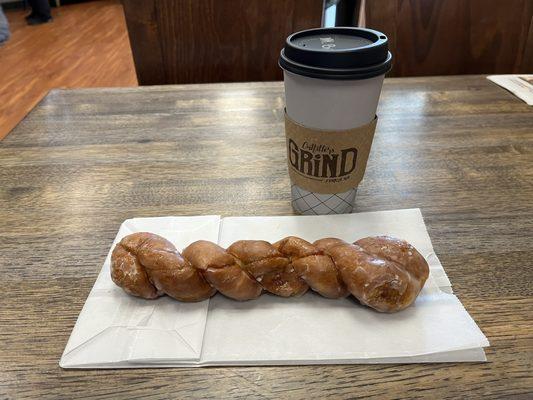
x=145, y=40
x=443, y=37
x=191, y=41
x=460, y=148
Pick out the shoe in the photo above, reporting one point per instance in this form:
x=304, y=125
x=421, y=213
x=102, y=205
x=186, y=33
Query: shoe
x=30, y=15
x=36, y=20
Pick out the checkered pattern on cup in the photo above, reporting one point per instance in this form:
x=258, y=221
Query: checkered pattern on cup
x=310, y=203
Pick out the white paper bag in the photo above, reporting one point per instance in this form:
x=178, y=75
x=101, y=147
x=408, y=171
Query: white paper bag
x=115, y=330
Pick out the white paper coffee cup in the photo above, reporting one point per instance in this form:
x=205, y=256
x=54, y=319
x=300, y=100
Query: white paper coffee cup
x=333, y=79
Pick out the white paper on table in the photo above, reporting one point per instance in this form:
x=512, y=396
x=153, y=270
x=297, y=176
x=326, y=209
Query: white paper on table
x=519, y=85
x=115, y=330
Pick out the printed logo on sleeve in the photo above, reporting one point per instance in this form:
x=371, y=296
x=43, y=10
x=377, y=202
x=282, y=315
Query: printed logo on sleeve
x=322, y=161
x=327, y=161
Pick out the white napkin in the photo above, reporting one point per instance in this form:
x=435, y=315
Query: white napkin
x=115, y=330
x=519, y=85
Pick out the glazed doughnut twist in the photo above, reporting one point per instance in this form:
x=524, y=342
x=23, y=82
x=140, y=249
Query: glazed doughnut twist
x=381, y=272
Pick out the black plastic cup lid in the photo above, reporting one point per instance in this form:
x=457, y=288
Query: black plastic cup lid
x=337, y=53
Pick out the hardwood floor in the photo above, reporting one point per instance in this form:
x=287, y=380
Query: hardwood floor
x=86, y=45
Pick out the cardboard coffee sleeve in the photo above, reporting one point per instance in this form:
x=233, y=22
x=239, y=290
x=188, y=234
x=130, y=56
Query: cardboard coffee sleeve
x=327, y=161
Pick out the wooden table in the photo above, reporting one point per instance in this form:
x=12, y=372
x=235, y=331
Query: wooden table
x=460, y=148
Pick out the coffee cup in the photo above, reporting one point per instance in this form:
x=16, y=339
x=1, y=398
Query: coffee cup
x=333, y=79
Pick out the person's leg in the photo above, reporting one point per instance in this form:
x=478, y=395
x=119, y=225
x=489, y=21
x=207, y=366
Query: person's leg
x=40, y=11
x=4, y=27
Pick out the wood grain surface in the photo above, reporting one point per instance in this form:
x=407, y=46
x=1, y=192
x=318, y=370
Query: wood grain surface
x=85, y=46
x=82, y=161
x=197, y=41
x=456, y=36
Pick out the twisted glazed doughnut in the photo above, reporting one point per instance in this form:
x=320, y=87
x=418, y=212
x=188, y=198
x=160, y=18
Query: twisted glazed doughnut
x=381, y=272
